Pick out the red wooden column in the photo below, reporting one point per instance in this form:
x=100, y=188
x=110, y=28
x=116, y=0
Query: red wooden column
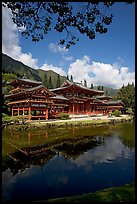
x=73, y=108
x=12, y=111
x=68, y=108
x=90, y=107
x=63, y=109
x=83, y=107
x=94, y=107
x=29, y=112
x=18, y=111
x=77, y=108
x=23, y=110
x=47, y=114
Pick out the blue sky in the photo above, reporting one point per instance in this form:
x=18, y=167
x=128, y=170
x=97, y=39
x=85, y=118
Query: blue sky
x=107, y=60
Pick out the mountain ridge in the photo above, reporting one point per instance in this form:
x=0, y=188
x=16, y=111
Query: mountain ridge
x=11, y=65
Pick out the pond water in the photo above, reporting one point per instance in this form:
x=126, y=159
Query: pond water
x=41, y=164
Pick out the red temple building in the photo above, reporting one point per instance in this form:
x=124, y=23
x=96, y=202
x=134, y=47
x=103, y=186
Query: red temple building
x=33, y=100
x=79, y=97
x=105, y=105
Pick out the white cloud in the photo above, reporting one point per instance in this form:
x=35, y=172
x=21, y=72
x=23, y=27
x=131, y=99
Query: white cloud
x=100, y=73
x=57, y=48
x=28, y=60
x=58, y=70
x=120, y=60
x=11, y=47
x=113, y=149
x=10, y=40
x=68, y=58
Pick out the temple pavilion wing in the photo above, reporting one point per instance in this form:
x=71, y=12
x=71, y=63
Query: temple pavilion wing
x=33, y=100
x=38, y=92
x=19, y=85
x=79, y=97
x=69, y=89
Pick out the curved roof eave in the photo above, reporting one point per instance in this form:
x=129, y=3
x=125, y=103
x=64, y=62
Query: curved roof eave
x=79, y=86
x=29, y=90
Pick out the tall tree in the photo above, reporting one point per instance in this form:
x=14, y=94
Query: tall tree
x=58, y=81
x=99, y=87
x=127, y=95
x=39, y=18
x=18, y=75
x=67, y=77
x=85, y=83
x=102, y=88
x=132, y=84
x=45, y=82
x=91, y=86
x=71, y=78
x=50, y=85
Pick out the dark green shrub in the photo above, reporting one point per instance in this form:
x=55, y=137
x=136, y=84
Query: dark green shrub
x=117, y=113
x=129, y=111
x=62, y=116
x=4, y=115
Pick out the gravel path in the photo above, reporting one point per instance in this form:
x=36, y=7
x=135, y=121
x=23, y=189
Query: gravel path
x=81, y=119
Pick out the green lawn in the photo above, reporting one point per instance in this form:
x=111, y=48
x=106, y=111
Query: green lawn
x=125, y=193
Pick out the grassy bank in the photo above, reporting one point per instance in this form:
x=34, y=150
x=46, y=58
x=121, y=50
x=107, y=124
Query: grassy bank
x=23, y=124
x=125, y=193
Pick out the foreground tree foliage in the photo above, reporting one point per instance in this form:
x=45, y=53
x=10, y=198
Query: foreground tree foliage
x=38, y=18
x=127, y=95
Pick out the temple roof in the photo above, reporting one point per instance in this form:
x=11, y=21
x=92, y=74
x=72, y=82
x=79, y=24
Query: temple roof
x=29, y=90
x=24, y=80
x=77, y=98
x=113, y=102
x=67, y=84
x=59, y=97
x=103, y=96
x=79, y=85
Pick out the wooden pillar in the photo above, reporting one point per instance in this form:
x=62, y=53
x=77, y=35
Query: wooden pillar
x=63, y=109
x=29, y=112
x=73, y=108
x=12, y=111
x=47, y=113
x=69, y=108
x=77, y=108
x=83, y=108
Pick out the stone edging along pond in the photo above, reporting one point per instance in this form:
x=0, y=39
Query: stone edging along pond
x=70, y=123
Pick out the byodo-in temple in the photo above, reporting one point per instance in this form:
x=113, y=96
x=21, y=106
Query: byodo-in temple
x=34, y=101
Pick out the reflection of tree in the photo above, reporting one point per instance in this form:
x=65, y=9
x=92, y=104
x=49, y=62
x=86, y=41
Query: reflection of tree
x=19, y=161
x=127, y=142
x=127, y=135
x=41, y=154
x=64, y=141
x=75, y=148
